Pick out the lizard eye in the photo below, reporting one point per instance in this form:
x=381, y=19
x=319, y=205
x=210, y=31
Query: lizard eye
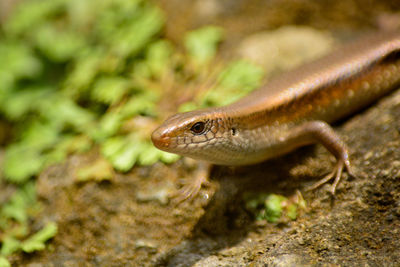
x=198, y=127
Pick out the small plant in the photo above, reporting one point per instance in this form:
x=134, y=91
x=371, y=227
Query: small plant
x=274, y=208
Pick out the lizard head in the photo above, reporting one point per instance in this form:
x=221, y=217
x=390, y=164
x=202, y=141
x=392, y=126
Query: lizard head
x=200, y=134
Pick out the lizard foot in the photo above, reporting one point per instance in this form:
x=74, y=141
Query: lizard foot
x=336, y=173
x=192, y=188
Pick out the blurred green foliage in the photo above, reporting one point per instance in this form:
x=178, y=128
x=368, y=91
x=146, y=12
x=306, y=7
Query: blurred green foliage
x=67, y=69
x=202, y=43
x=36, y=241
x=4, y=262
x=75, y=74
x=274, y=208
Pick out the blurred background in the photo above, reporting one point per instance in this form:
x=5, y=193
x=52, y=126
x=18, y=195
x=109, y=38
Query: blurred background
x=84, y=83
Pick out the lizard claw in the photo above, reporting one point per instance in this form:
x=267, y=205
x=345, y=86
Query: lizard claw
x=336, y=173
x=190, y=190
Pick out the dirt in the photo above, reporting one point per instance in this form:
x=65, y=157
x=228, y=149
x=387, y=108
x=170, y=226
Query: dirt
x=129, y=220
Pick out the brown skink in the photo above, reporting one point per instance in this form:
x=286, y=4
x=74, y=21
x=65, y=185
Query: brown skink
x=292, y=110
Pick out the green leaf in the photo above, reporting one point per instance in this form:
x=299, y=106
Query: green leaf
x=113, y=15
x=273, y=207
x=109, y=90
x=21, y=162
x=82, y=14
x=108, y=126
x=158, y=57
x=84, y=71
x=168, y=157
x=122, y=152
x=29, y=14
x=141, y=71
x=37, y=241
x=64, y=112
x=235, y=81
x=39, y=135
x=141, y=104
x=188, y=106
x=4, y=262
x=18, y=61
x=241, y=74
x=20, y=103
x=9, y=245
x=7, y=85
x=202, y=43
x=132, y=36
x=57, y=154
x=58, y=45
x=20, y=201
x=291, y=211
x=149, y=155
